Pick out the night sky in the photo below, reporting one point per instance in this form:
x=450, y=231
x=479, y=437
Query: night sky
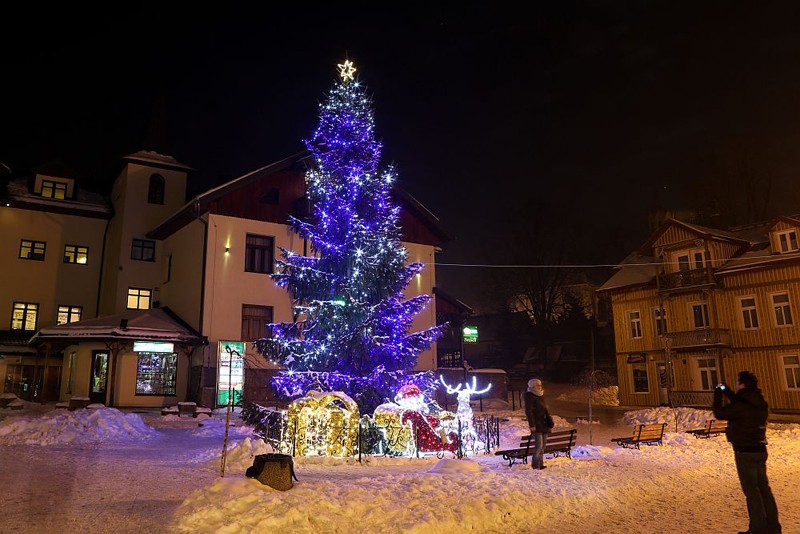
x=591, y=114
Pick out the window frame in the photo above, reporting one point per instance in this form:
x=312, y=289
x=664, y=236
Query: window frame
x=156, y=189
x=54, y=186
x=138, y=297
x=791, y=369
x=785, y=310
x=247, y=327
x=786, y=234
x=751, y=311
x=705, y=316
x=143, y=245
x=636, y=378
x=32, y=246
x=253, y=250
x=635, y=324
x=708, y=373
x=76, y=254
x=26, y=310
x=660, y=325
x=70, y=311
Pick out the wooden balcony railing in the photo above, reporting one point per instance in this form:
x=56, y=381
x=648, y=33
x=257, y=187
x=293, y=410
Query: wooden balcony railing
x=708, y=337
x=684, y=279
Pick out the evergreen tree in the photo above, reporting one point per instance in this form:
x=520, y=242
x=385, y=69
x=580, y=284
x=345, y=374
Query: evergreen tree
x=352, y=320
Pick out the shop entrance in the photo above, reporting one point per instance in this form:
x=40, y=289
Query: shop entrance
x=98, y=381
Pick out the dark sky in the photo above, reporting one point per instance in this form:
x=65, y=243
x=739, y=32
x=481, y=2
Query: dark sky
x=597, y=113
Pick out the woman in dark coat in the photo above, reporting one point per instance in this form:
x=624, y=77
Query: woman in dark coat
x=539, y=420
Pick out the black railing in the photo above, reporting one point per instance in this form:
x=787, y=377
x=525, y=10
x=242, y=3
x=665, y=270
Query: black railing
x=706, y=337
x=684, y=279
x=693, y=399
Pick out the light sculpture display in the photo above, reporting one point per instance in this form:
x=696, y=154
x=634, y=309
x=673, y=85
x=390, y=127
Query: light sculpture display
x=464, y=410
x=322, y=424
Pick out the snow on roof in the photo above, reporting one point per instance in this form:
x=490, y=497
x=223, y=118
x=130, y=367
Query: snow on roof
x=84, y=200
x=149, y=156
x=153, y=324
x=633, y=270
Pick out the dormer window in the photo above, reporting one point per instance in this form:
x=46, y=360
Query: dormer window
x=693, y=259
x=787, y=241
x=155, y=193
x=53, y=189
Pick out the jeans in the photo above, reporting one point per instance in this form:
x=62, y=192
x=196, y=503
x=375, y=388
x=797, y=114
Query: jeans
x=539, y=443
x=752, y=470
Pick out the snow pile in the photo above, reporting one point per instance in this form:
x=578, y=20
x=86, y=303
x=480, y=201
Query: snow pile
x=239, y=457
x=600, y=489
x=216, y=428
x=608, y=396
x=80, y=427
x=448, y=466
x=688, y=418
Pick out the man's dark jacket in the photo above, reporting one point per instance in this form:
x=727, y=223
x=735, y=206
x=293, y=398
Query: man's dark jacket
x=746, y=414
x=537, y=414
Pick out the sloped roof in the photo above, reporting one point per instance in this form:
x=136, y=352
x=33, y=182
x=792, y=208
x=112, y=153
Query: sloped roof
x=633, y=270
x=154, y=159
x=202, y=202
x=155, y=324
x=701, y=231
x=85, y=203
x=15, y=342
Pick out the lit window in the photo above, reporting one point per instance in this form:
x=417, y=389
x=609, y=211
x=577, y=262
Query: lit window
x=138, y=298
x=254, y=322
x=52, y=189
x=32, y=250
x=143, y=250
x=749, y=313
x=635, y=321
x=69, y=314
x=76, y=254
x=155, y=193
x=156, y=373
x=791, y=369
x=783, y=310
x=23, y=316
x=787, y=241
x=258, y=254
x=700, y=315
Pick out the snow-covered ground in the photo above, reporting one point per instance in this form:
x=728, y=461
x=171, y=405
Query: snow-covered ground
x=107, y=471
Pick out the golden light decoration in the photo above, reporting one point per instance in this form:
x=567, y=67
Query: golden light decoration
x=322, y=424
x=346, y=70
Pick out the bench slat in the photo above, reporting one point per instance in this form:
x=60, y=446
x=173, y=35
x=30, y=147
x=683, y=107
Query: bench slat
x=560, y=441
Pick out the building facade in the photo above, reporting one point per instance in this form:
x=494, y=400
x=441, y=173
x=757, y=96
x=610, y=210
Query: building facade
x=695, y=305
x=207, y=261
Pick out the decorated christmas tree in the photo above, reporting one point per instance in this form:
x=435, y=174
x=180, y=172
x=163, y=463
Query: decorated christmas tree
x=351, y=331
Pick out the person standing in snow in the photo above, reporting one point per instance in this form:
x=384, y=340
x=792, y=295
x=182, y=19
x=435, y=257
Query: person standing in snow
x=746, y=412
x=539, y=420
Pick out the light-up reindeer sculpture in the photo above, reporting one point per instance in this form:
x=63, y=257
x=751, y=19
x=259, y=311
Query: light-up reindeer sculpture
x=464, y=410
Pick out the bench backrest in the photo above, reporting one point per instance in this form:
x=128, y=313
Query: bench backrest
x=716, y=426
x=649, y=432
x=559, y=438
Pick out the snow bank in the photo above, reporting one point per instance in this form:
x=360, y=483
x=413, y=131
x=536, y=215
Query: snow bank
x=608, y=396
x=80, y=427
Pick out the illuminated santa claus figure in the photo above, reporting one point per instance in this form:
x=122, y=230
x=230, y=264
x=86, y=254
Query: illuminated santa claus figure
x=409, y=397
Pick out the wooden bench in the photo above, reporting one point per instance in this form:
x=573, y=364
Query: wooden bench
x=560, y=442
x=712, y=428
x=643, y=434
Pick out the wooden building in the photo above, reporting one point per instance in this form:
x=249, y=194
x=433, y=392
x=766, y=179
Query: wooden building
x=695, y=305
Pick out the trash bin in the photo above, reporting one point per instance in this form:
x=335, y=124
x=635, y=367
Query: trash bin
x=273, y=470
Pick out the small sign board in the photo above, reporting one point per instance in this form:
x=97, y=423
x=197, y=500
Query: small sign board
x=470, y=334
x=637, y=358
x=153, y=346
x=230, y=371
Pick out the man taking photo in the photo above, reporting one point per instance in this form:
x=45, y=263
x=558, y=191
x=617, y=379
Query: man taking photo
x=746, y=412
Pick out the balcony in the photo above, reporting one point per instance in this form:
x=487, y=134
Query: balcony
x=700, y=339
x=684, y=280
